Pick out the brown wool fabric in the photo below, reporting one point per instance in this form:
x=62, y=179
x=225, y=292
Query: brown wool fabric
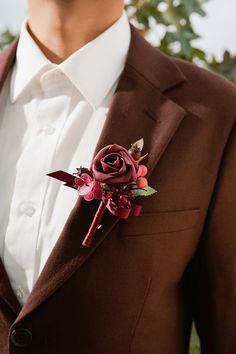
x=138, y=287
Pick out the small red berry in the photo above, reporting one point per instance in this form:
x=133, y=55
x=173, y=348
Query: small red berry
x=142, y=182
x=142, y=171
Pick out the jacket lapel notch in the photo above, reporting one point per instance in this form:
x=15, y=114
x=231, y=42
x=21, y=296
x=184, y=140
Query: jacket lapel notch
x=168, y=116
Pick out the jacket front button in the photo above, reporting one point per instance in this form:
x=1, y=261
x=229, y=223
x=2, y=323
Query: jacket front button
x=21, y=337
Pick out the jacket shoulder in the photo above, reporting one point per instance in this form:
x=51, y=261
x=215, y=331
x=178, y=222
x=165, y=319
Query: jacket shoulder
x=205, y=80
x=204, y=88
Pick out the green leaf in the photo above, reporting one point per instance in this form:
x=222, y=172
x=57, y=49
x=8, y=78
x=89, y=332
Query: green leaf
x=192, y=6
x=198, y=53
x=5, y=38
x=144, y=192
x=106, y=187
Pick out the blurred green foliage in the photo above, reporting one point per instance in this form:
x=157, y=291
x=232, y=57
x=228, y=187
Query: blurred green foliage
x=174, y=17
x=5, y=38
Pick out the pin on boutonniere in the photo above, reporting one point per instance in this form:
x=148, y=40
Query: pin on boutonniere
x=116, y=177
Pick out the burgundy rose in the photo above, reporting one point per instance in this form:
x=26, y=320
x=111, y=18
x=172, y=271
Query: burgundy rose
x=113, y=164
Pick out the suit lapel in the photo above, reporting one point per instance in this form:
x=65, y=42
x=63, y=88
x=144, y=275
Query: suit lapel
x=139, y=109
x=6, y=292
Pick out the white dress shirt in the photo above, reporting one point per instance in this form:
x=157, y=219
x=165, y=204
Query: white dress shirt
x=51, y=118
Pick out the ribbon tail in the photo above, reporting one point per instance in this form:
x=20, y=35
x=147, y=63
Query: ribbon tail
x=123, y=212
x=95, y=224
x=135, y=209
x=64, y=177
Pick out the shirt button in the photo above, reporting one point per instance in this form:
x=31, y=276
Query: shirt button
x=27, y=209
x=21, y=337
x=47, y=130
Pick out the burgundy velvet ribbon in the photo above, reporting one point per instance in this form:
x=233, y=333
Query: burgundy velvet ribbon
x=64, y=177
x=122, y=213
x=95, y=224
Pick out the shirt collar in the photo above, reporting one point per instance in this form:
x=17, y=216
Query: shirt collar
x=30, y=60
x=93, y=69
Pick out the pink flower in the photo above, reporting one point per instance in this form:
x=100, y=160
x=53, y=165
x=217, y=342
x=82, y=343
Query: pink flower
x=88, y=188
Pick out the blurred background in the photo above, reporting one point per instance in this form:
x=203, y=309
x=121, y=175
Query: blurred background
x=201, y=31
x=216, y=29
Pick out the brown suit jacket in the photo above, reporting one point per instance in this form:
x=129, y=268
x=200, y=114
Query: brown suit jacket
x=138, y=287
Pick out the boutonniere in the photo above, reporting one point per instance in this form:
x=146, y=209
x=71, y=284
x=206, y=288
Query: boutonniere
x=116, y=177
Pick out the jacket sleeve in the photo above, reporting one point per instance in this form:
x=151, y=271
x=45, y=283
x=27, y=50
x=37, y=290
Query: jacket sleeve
x=214, y=277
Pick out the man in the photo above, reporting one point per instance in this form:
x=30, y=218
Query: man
x=79, y=78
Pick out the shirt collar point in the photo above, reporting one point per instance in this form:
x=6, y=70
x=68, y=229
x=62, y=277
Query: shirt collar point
x=14, y=96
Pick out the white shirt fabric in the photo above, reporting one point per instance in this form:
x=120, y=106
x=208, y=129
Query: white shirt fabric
x=51, y=118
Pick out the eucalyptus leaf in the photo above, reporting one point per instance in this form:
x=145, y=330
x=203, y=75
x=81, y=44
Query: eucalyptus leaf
x=144, y=192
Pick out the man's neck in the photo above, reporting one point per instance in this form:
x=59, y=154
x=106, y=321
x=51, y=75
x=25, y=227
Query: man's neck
x=62, y=27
